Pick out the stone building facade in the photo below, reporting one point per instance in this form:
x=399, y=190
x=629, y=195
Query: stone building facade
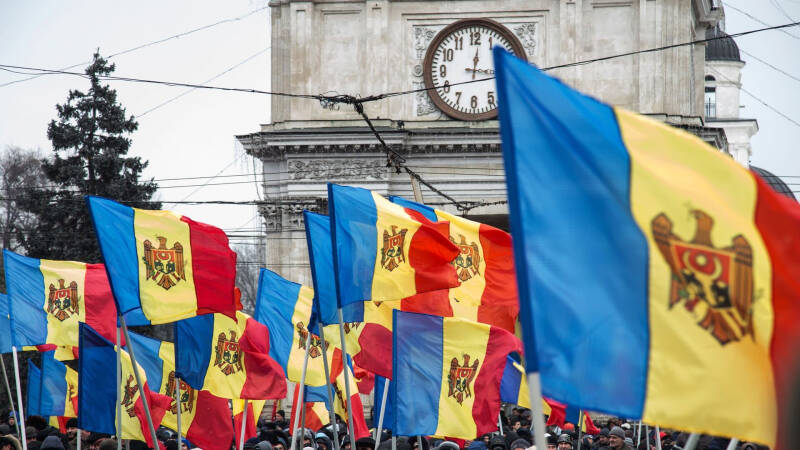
x=363, y=48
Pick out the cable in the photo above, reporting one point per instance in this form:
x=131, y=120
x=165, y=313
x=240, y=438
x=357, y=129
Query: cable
x=209, y=180
x=138, y=47
x=770, y=65
x=756, y=98
x=204, y=82
x=780, y=8
x=728, y=5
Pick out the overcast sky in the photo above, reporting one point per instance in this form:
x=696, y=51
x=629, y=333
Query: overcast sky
x=192, y=136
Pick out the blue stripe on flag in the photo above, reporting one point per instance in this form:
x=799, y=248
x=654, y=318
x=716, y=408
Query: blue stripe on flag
x=193, y=349
x=54, y=385
x=320, y=255
x=425, y=210
x=26, y=301
x=97, y=390
x=275, y=304
x=147, y=355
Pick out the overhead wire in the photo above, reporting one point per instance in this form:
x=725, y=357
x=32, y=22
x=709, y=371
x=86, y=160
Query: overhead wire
x=758, y=99
x=729, y=5
x=149, y=44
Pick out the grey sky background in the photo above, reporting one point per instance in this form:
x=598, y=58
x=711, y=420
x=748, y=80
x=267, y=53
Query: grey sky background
x=192, y=136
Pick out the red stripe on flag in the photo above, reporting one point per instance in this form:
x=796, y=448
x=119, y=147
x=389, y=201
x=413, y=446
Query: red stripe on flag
x=101, y=312
x=211, y=428
x=558, y=413
x=502, y=316
x=214, y=269
x=501, y=281
x=376, y=345
x=313, y=421
x=158, y=404
x=250, y=430
x=487, y=383
x=430, y=253
x=265, y=377
x=778, y=219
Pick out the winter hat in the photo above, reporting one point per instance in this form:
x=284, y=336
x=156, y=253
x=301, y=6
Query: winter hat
x=497, y=442
x=617, y=431
x=30, y=432
x=629, y=441
x=604, y=432
x=4, y=429
x=520, y=443
x=264, y=445
x=447, y=445
x=108, y=444
x=250, y=444
x=52, y=442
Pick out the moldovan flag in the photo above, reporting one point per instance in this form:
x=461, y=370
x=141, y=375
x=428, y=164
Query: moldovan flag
x=382, y=252
x=573, y=415
x=5, y=326
x=675, y=267
x=446, y=375
x=285, y=308
x=59, y=388
x=254, y=408
x=97, y=391
x=367, y=324
x=33, y=399
x=484, y=266
x=514, y=389
x=166, y=266
x=227, y=357
x=317, y=415
x=47, y=300
x=205, y=418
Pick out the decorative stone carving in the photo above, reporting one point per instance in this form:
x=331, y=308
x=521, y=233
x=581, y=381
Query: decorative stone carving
x=341, y=169
x=423, y=101
x=526, y=33
x=287, y=214
x=422, y=37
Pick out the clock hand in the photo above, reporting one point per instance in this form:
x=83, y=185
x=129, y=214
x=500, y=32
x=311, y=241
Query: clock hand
x=488, y=71
x=475, y=62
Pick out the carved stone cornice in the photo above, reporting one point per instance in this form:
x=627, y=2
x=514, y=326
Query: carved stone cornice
x=286, y=214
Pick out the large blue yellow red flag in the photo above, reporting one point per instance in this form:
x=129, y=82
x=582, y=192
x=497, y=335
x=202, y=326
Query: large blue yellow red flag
x=5, y=326
x=164, y=266
x=205, y=418
x=33, y=399
x=285, y=308
x=484, y=266
x=382, y=251
x=228, y=357
x=47, y=300
x=675, y=267
x=59, y=388
x=446, y=375
x=367, y=324
x=97, y=391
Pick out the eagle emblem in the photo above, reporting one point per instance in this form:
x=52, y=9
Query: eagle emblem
x=164, y=265
x=351, y=326
x=316, y=343
x=714, y=283
x=468, y=261
x=130, y=391
x=63, y=301
x=460, y=379
x=392, y=254
x=228, y=354
x=187, y=394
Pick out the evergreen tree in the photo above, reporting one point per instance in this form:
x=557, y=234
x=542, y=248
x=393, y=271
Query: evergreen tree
x=90, y=143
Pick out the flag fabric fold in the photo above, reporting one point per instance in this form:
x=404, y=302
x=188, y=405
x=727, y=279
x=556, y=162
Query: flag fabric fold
x=383, y=252
x=317, y=415
x=320, y=394
x=205, y=418
x=254, y=408
x=59, y=387
x=660, y=251
x=47, y=299
x=163, y=266
x=487, y=291
x=446, y=375
x=6, y=341
x=228, y=358
x=97, y=391
x=33, y=399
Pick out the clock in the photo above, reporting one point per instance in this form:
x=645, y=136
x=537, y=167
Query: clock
x=462, y=53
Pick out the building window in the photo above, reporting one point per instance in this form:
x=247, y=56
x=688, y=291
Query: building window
x=710, y=98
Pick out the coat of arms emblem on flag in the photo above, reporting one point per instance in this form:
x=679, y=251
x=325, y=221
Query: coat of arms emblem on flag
x=392, y=254
x=164, y=265
x=62, y=301
x=717, y=283
x=187, y=395
x=468, y=261
x=316, y=343
x=130, y=391
x=228, y=353
x=460, y=379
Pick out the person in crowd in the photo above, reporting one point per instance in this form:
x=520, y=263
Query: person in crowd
x=601, y=440
x=498, y=442
x=520, y=444
x=616, y=440
x=552, y=441
x=564, y=442
x=4, y=429
x=323, y=441
x=251, y=443
x=107, y=444
x=12, y=420
x=281, y=422
x=415, y=440
x=9, y=442
x=516, y=424
x=279, y=444
x=447, y=445
x=52, y=443
x=365, y=443
x=478, y=444
x=264, y=445
x=30, y=433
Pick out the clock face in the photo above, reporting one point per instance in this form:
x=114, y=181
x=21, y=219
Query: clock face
x=462, y=53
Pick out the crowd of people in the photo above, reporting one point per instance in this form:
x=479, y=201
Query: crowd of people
x=615, y=434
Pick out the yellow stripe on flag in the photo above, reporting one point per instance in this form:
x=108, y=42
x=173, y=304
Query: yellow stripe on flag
x=394, y=278
x=315, y=374
x=217, y=381
x=189, y=396
x=455, y=411
x=163, y=230
x=62, y=320
x=71, y=378
x=131, y=427
x=700, y=198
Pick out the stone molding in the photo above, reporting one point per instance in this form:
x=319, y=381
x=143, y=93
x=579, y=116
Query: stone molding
x=286, y=214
